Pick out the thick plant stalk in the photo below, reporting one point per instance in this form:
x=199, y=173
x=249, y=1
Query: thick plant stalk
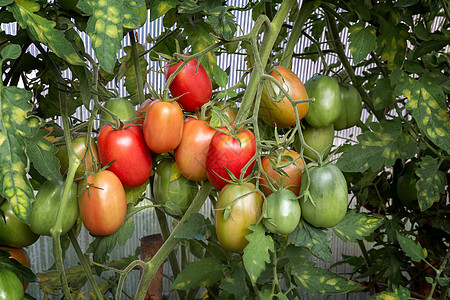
x=137, y=68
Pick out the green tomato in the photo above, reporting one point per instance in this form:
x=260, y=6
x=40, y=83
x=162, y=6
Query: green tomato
x=351, y=108
x=45, y=208
x=14, y=232
x=320, y=139
x=172, y=189
x=406, y=186
x=10, y=285
x=327, y=100
x=123, y=108
x=328, y=190
x=282, y=213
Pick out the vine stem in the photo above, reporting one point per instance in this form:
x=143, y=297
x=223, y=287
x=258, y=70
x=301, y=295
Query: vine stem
x=137, y=68
x=438, y=274
x=152, y=266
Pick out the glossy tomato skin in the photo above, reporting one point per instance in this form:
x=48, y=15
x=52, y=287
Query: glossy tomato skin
x=126, y=149
x=328, y=188
x=21, y=256
x=327, y=100
x=170, y=187
x=190, y=154
x=320, y=139
x=14, y=232
x=104, y=209
x=191, y=83
x=246, y=209
x=226, y=152
x=282, y=213
x=45, y=208
x=291, y=174
x=351, y=108
x=10, y=285
x=122, y=108
x=281, y=112
x=141, y=111
x=163, y=126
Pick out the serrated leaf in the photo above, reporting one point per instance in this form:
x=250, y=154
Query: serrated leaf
x=355, y=226
x=316, y=280
x=383, y=94
x=223, y=21
x=431, y=183
x=134, y=194
x=362, y=41
x=42, y=154
x=411, y=249
x=377, y=148
x=220, y=76
x=315, y=239
x=24, y=273
x=43, y=30
x=103, y=245
x=196, y=227
x=105, y=28
x=15, y=126
x=131, y=18
x=234, y=283
x=205, y=272
x=10, y=52
x=427, y=103
x=256, y=253
x=393, y=40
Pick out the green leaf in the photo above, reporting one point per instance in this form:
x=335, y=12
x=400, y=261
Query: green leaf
x=399, y=293
x=15, y=126
x=429, y=46
x=412, y=249
x=10, y=52
x=105, y=27
x=234, y=283
x=205, y=272
x=5, y=2
x=362, y=41
x=427, y=103
x=316, y=280
x=223, y=21
x=42, y=154
x=442, y=224
x=355, y=226
x=84, y=83
x=383, y=94
x=393, y=41
x=256, y=253
x=189, y=7
x=313, y=238
x=196, y=227
x=134, y=195
x=103, y=245
x=24, y=274
x=43, y=30
x=159, y=7
x=131, y=19
x=431, y=183
x=220, y=76
x=127, y=69
x=377, y=148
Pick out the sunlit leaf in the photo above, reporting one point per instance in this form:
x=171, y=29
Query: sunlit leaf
x=431, y=183
x=256, y=253
x=10, y=52
x=355, y=226
x=131, y=17
x=134, y=194
x=205, y=272
x=160, y=7
x=312, y=238
x=399, y=293
x=362, y=41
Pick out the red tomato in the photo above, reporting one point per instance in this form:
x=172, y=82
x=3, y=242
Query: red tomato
x=190, y=155
x=228, y=153
x=191, y=83
x=163, y=126
x=126, y=149
x=289, y=168
x=103, y=206
x=140, y=113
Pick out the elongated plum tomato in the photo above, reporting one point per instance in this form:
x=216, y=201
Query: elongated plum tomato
x=163, y=126
x=192, y=83
x=103, y=206
x=127, y=152
x=141, y=111
x=289, y=169
x=190, y=155
x=280, y=111
x=246, y=208
x=282, y=212
x=228, y=153
x=13, y=232
x=10, y=285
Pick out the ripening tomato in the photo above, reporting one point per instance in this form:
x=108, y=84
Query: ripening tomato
x=280, y=111
x=229, y=153
x=163, y=126
x=190, y=155
x=127, y=152
x=192, y=83
x=141, y=111
x=238, y=206
x=288, y=169
x=282, y=212
x=103, y=206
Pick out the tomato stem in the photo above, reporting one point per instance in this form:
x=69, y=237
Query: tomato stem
x=137, y=68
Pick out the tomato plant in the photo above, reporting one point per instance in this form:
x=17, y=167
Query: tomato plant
x=190, y=154
x=141, y=111
x=286, y=166
x=10, y=285
x=238, y=206
x=406, y=186
x=320, y=139
x=45, y=208
x=122, y=108
x=229, y=153
x=351, y=107
x=103, y=205
x=192, y=84
x=282, y=212
x=21, y=256
x=326, y=204
x=280, y=111
x=163, y=126
x=14, y=232
x=126, y=152
x=172, y=189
